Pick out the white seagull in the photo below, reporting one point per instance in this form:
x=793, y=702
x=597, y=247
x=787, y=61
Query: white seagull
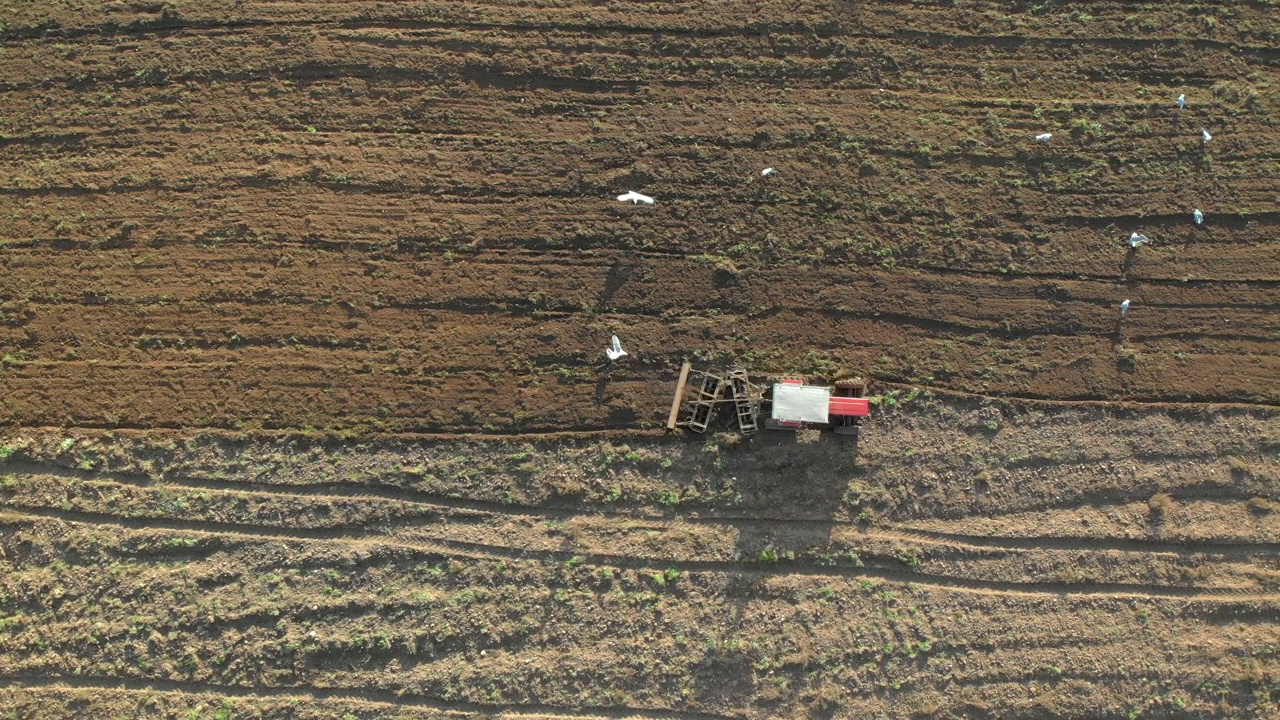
x=1135, y=240
x=615, y=351
x=1124, y=308
x=767, y=172
x=1043, y=137
x=1182, y=101
x=1205, y=134
x=634, y=197
x=1199, y=216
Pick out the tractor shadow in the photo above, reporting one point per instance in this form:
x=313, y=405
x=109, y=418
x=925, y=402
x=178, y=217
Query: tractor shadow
x=788, y=488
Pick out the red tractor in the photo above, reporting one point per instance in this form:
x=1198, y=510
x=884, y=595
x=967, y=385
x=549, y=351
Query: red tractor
x=782, y=403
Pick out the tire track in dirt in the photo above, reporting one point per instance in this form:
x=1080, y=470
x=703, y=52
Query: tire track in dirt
x=280, y=388
x=905, y=152
x=597, y=269
x=1033, y=400
x=163, y=27
x=528, y=260
x=1117, y=279
x=1126, y=44
x=1230, y=611
x=1203, y=492
x=509, y=180
x=315, y=71
x=524, y=309
x=339, y=694
x=601, y=257
x=443, y=504
x=169, y=25
x=435, y=546
x=1083, y=544
x=368, y=339
x=604, y=230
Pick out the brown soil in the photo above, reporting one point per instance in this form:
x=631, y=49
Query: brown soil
x=265, y=264
x=335, y=215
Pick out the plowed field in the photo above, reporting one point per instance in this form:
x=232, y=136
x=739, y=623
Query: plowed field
x=306, y=415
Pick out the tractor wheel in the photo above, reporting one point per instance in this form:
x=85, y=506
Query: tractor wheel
x=856, y=382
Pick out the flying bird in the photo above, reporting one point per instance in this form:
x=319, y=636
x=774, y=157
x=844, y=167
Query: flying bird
x=1182, y=101
x=767, y=172
x=615, y=351
x=1043, y=137
x=1199, y=216
x=634, y=197
x=1124, y=308
x=1205, y=134
x=1135, y=240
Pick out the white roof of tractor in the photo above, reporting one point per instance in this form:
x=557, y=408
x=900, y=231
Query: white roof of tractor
x=801, y=403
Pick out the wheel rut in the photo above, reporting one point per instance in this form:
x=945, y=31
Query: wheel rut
x=436, y=546
x=442, y=506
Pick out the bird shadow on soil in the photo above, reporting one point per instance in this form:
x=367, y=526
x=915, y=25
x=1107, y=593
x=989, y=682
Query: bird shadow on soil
x=619, y=275
x=1129, y=259
x=1126, y=358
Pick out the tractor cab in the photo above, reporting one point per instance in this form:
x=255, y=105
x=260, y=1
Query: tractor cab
x=794, y=404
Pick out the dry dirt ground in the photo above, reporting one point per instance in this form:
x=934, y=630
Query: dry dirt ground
x=304, y=412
